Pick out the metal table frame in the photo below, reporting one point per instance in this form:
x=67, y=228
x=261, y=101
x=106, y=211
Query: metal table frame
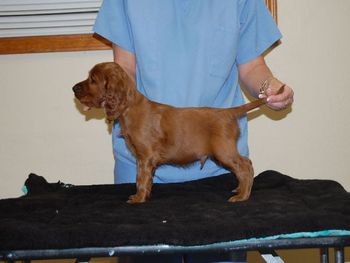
x=265, y=247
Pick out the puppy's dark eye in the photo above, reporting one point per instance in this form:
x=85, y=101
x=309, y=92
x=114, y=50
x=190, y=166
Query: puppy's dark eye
x=92, y=80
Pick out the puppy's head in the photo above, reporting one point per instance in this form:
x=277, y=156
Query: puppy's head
x=107, y=86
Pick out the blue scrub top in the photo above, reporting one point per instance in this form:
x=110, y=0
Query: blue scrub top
x=187, y=54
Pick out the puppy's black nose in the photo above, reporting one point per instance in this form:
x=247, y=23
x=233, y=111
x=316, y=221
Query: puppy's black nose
x=77, y=88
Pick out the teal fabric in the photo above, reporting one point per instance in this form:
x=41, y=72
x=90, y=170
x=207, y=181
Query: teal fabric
x=24, y=190
x=323, y=233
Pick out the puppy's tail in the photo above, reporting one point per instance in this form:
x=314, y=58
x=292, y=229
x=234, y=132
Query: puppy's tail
x=239, y=111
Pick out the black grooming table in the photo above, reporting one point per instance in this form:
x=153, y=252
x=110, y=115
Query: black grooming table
x=64, y=221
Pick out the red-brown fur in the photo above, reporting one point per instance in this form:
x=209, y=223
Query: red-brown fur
x=161, y=134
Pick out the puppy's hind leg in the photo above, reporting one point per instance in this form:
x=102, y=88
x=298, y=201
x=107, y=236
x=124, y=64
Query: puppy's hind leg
x=228, y=156
x=243, y=169
x=144, y=182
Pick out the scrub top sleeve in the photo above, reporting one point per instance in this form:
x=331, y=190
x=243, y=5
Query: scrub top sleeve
x=112, y=23
x=258, y=31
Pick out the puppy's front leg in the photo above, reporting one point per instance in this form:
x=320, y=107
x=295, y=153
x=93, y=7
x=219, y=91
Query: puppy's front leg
x=144, y=181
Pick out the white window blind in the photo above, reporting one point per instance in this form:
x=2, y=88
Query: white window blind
x=20, y=18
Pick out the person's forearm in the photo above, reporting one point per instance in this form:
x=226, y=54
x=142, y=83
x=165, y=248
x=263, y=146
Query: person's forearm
x=253, y=74
x=126, y=60
x=256, y=74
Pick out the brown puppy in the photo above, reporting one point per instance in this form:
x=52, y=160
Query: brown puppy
x=161, y=134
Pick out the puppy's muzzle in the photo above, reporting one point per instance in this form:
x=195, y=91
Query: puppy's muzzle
x=77, y=89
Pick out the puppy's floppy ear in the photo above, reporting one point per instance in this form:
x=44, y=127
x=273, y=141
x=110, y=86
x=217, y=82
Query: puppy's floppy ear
x=118, y=96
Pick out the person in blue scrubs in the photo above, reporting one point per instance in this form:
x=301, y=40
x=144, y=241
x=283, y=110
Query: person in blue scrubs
x=191, y=53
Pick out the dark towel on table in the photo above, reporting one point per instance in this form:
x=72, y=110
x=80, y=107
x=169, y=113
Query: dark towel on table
x=55, y=216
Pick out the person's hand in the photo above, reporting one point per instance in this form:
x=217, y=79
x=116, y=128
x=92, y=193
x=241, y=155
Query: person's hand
x=276, y=100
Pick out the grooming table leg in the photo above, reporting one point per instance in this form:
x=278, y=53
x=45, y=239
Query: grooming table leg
x=324, y=257
x=271, y=257
x=339, y=255
x=239, y=256
x=82, y=260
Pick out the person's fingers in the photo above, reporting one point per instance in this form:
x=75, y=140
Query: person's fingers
x=280, y=101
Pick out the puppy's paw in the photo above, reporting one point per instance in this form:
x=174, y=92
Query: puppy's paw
x=237, y=198
x=136, y=199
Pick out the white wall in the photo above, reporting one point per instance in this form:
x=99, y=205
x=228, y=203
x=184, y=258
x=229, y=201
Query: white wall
x=43, y=131
x=313, y=140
